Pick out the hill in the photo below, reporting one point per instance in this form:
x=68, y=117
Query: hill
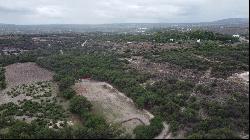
x=230, y=21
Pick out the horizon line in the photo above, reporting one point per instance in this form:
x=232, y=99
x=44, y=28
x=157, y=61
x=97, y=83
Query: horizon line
x=121, y=23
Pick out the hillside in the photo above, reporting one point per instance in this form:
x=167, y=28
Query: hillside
x=232, y=21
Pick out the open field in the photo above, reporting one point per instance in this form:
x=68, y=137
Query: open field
x=24, y=73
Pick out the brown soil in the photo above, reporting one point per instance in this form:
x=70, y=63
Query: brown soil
x=24, y=73
x=112, y=104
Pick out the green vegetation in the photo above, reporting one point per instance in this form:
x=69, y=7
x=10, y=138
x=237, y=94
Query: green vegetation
x=165, y=36
x=2, y=78
x=80, y=105
x=100, y=67
x=224, y=60
x=34, y=130
x=96, y=126
x=44, y=111
x=35, y=90
x=46, y=114
x=171, y=100
x=151, y=131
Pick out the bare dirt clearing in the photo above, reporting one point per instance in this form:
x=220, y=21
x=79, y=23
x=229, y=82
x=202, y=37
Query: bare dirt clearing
x=24, y=73
x=116, y=107
x=112, y=104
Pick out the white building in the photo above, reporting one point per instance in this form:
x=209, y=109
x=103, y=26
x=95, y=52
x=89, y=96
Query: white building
x=198, y=41
x=237, y=36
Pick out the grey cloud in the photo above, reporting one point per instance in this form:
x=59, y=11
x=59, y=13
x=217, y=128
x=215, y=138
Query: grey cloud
x=118, y=11
x=8, y=10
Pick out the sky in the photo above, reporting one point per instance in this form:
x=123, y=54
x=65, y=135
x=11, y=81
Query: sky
x=119, y=11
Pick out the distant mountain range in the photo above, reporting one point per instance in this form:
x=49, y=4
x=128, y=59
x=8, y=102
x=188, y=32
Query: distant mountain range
x=222, y=21
x=121, y=27
x=232, y=21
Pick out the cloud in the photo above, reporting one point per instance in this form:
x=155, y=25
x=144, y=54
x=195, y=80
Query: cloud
x=12, y=10
x=119, y=11
x=49, y=11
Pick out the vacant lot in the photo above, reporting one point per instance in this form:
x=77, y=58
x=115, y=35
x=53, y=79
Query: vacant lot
x=115, y=106
x=24, y=73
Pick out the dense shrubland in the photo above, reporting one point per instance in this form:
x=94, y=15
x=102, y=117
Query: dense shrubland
x=224, y=60
x=151, y=131
x=165, y=36
x=169, y=99
x=47, y=112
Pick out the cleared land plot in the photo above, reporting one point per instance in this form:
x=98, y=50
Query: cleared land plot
x=112, y=104
x=24, y=73
x=33, y=96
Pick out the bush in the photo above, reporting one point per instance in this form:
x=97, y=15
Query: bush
x=151, y=131
x=204, y=89
x=80, y=105
x=221, y=133
x=68, y=93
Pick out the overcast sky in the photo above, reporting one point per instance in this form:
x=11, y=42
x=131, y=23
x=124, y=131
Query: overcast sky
x=119, y=11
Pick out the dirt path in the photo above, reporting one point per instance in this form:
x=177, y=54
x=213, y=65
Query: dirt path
x=165, y=134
